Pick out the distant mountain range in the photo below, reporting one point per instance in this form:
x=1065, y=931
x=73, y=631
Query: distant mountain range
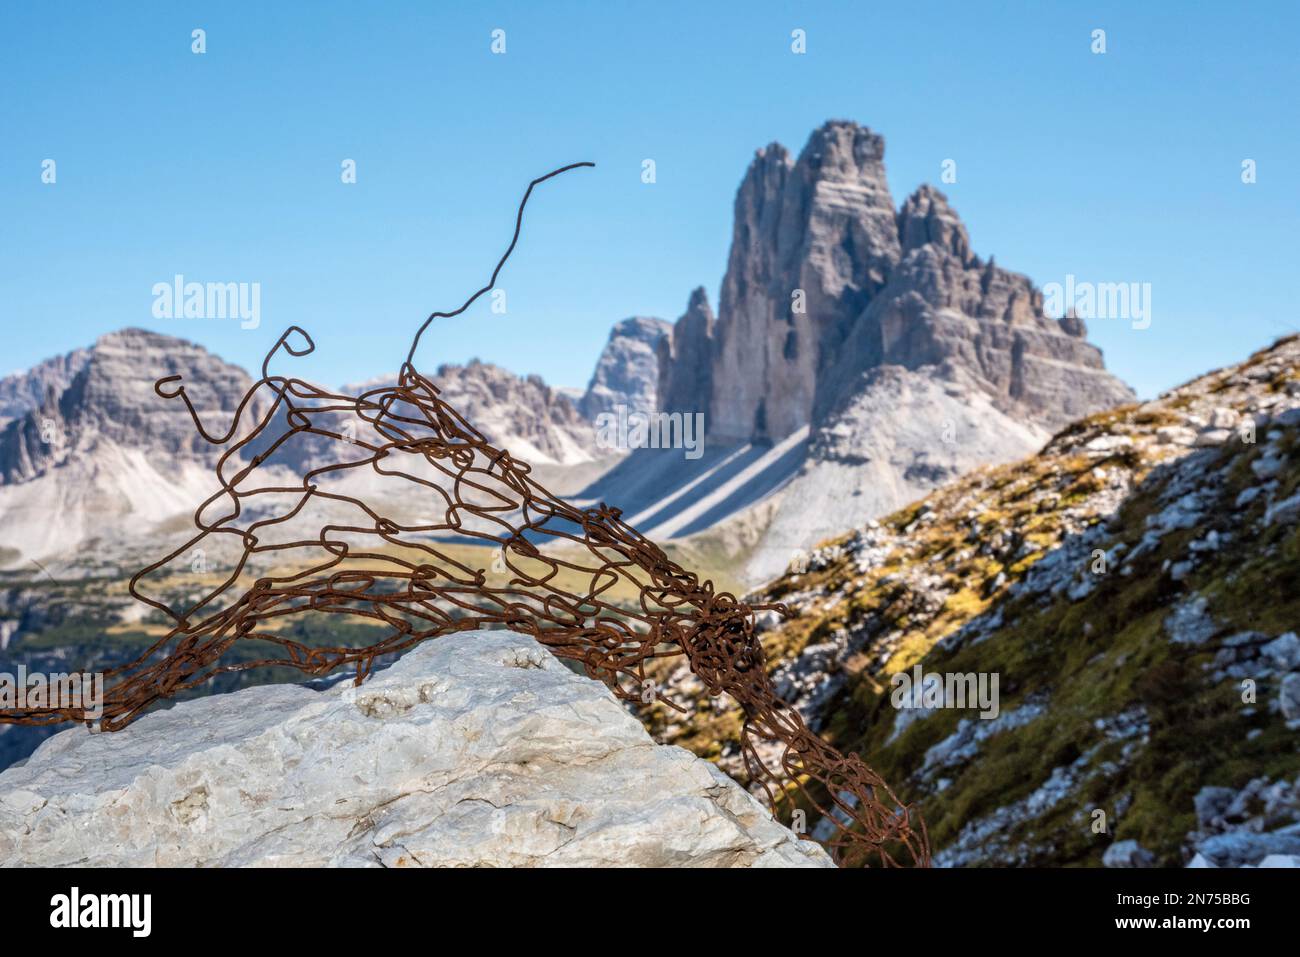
x=92, y=452
x=861, y=355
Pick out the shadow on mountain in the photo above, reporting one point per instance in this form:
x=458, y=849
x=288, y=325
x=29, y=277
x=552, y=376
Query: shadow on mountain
x=667, y=495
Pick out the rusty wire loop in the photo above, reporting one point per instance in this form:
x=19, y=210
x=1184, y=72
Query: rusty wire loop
x=561, y=568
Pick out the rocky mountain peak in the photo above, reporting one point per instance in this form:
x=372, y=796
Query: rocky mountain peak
x=864, y=352
x=813, y=241
x=112, y=399
x=685, y=358
x=767, y=171
x=826, y=281
x=841, y=150
x=926, y=219
x=627, y=372
x=115, y=460
x=699, y=301
x=641, y=328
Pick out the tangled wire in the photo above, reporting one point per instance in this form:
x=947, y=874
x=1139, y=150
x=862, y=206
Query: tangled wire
x=559, y=572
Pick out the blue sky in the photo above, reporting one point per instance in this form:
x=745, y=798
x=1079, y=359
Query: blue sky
x=226, y=166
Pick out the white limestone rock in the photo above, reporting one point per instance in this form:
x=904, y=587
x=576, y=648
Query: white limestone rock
x=1280, y=860
x=1288, y=696
x=479, y=749
x=1127, y=854
x=1284, y=651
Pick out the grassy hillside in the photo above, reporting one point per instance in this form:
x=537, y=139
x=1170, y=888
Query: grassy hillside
x=1128, y=587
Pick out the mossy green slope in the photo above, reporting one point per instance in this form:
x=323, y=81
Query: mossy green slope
x=1069, y=576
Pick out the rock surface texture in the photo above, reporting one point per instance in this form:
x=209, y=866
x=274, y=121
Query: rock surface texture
x=627, y=372
x=23, y=392
x=685, y=358
x=111, y=400
x=480, y=749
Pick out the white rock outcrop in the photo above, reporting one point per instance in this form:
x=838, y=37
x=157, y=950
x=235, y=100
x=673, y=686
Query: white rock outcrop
x=479, y=749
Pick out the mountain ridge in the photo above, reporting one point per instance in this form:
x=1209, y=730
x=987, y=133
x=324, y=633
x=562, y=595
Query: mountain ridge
x=111, y=457
x=826, y=278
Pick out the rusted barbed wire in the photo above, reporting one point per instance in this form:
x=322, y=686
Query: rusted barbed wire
x=562, y=567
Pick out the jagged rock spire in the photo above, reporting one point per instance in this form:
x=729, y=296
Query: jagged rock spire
x=686, y=357
x=827, y=280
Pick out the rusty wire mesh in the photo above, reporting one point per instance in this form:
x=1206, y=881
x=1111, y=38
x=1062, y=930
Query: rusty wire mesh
x=562, y=570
